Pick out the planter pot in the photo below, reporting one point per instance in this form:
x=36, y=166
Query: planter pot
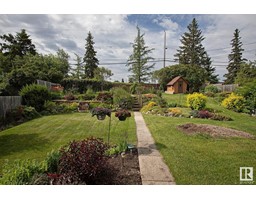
x=101, y=117
x=122, y=118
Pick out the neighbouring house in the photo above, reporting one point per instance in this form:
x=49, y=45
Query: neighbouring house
x=178, y=85
x=54, y=87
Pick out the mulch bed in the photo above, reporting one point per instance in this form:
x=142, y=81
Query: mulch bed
x=214, y=131
x=121, y=171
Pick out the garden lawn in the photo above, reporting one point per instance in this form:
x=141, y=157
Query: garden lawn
x=201, y=159
x=175, y=98
x=34, y=139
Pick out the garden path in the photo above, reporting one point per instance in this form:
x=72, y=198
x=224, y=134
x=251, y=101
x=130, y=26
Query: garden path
x=152, y=167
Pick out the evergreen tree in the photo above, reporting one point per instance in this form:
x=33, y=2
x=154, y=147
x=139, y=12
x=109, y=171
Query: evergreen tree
x=18, y=45
x=192, y=52
x=12, y=46
x=235, y=58
x=138, y=60
x=209, y=71
x=90, y=60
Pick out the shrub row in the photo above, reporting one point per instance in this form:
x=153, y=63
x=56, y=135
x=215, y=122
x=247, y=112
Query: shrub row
x=122, y=98
x=82, y=85
x=18, y=115
x=51, y=108
x=205, y=114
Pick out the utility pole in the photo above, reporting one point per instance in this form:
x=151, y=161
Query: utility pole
x=164, y=47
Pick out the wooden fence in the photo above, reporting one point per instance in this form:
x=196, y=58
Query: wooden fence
x=50, y=86
x=45, y=83
x=8, y=103
x=226, y=88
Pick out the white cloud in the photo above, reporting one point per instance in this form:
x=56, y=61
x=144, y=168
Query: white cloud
x=220, y=31
x=113, y=35
x=166, y=23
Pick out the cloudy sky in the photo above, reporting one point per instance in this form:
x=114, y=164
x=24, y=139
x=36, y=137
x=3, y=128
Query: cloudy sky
x=114, y=33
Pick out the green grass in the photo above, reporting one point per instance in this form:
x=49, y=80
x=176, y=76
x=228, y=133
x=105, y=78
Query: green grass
x=201, y=159
x=175, y=98
x=34, y=139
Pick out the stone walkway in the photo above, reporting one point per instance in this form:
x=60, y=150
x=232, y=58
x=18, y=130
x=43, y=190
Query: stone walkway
x=152, y=167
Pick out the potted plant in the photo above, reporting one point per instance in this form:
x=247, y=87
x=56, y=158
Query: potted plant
x=101, y=113
x=122, y=114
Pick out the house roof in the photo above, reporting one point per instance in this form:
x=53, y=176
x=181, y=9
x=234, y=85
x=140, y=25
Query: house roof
x=175, y=80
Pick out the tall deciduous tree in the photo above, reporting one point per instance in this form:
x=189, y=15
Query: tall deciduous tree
x=246, y=73
x=193, y=53
x=77, y=72
x=235, y=58
x=102, y=74
x=194, y=75
x=90, y=59
x=138, y=60
x=31, y=67
x=63, y=59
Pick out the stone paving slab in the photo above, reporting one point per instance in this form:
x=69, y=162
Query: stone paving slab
x=152, y=167
x=158, y=183
x=145, y=148
x=144, y=137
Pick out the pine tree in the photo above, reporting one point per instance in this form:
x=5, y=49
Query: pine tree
x=18, y=45
x=235, y=58
x=193, y=53
x=209, y=71
x=12, y=47
x=90, y=60
x=138, y=60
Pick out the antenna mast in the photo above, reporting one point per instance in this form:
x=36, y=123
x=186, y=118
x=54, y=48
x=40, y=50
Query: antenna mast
x=164, y=47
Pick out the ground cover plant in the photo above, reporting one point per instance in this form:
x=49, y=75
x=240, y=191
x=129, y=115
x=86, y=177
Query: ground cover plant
x=201, y=158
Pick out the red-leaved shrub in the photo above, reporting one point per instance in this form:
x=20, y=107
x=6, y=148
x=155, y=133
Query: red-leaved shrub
x=205, y=114
x=82, y=161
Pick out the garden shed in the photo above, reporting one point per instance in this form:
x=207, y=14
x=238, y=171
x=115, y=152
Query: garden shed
x=178, y=85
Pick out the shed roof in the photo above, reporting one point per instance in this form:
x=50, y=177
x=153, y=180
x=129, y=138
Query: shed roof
x=174, y=80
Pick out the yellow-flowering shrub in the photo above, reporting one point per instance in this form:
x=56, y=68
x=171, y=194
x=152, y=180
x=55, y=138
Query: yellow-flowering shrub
x=175, y=111
x=196, y=101
x=234, y=102
x=148, y=107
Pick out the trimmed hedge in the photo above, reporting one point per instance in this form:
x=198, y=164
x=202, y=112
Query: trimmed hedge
x=81, y=85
